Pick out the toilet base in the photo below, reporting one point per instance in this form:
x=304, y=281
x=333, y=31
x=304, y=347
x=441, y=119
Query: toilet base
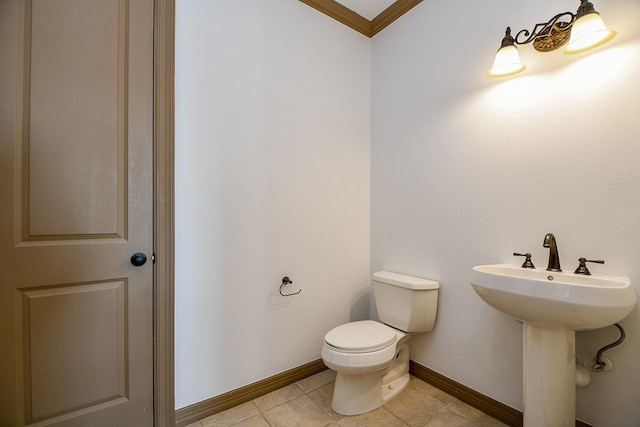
x=357, y=394
x=354, y=396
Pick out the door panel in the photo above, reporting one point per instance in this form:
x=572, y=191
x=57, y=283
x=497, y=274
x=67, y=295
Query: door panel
x=76, y=147
x=71, y=49
x=62, y=126
x=93, y=318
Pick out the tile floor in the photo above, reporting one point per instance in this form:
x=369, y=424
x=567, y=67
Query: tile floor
x=307, y=403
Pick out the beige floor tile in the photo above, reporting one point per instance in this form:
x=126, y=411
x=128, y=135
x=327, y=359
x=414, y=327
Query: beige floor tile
x=278, y=397
x=377, y=418
x=414, y=407
x=322, y=397
x=467, y=411
x=487, y=421
x=232, y=416
x=429, y=390
x=308, y=404
x=255, y=421
x=316, y=381
x=299, y=412
x=447, y=418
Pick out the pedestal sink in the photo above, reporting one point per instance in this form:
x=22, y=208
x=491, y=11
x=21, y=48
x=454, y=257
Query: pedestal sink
x=552, y=306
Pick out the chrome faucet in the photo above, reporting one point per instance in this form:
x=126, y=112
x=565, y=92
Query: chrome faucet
x=554, y=259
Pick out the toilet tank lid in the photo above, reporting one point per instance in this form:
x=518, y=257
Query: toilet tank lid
x=409, y=282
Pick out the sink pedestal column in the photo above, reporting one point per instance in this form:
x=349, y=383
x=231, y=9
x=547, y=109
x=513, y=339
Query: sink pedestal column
x=549, y=377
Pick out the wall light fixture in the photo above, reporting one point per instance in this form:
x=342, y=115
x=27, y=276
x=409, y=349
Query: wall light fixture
x=581, y=31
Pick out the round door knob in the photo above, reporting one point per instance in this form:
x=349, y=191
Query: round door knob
x=138, y=259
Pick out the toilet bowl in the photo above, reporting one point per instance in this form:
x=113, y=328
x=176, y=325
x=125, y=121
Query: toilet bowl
x=371, y=358
x=372, y=364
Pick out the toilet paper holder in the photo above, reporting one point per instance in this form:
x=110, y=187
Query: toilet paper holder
x=286, y=281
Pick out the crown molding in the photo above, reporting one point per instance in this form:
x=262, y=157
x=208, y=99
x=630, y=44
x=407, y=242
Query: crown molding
x=390, y=14
x=357, y=22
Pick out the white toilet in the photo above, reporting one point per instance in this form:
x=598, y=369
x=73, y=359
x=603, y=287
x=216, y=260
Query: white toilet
x=372, y=358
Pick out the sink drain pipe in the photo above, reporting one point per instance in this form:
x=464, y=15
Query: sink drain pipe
x=600, y=365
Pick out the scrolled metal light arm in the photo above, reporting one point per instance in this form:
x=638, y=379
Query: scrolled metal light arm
x=550, y=35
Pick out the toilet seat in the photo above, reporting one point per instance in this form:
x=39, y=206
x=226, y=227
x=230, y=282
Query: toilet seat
x=365, y=336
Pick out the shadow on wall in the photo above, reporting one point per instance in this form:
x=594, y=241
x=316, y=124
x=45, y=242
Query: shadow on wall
x=360, y=305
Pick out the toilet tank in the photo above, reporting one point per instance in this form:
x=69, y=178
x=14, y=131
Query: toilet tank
x=405, y=302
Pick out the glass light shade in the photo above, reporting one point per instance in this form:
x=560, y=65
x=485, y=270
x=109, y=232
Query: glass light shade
x=507, y=62
x=588, y=32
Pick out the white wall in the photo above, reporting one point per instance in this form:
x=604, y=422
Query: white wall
x=468, y=169
x=272, y=165
x=273, y=132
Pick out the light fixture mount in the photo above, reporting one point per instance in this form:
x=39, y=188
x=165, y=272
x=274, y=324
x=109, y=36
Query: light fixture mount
x=549, y=36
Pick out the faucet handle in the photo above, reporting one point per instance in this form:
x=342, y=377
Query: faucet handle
x=582, y=268
x=527, y=262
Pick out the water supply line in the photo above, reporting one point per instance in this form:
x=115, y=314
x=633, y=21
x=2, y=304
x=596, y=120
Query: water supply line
x=600, y=365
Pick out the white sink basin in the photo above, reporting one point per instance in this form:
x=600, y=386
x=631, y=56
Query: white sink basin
x=552, y=300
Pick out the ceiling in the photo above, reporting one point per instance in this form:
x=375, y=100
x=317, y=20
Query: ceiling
x=367, y=8
x=368, y=17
